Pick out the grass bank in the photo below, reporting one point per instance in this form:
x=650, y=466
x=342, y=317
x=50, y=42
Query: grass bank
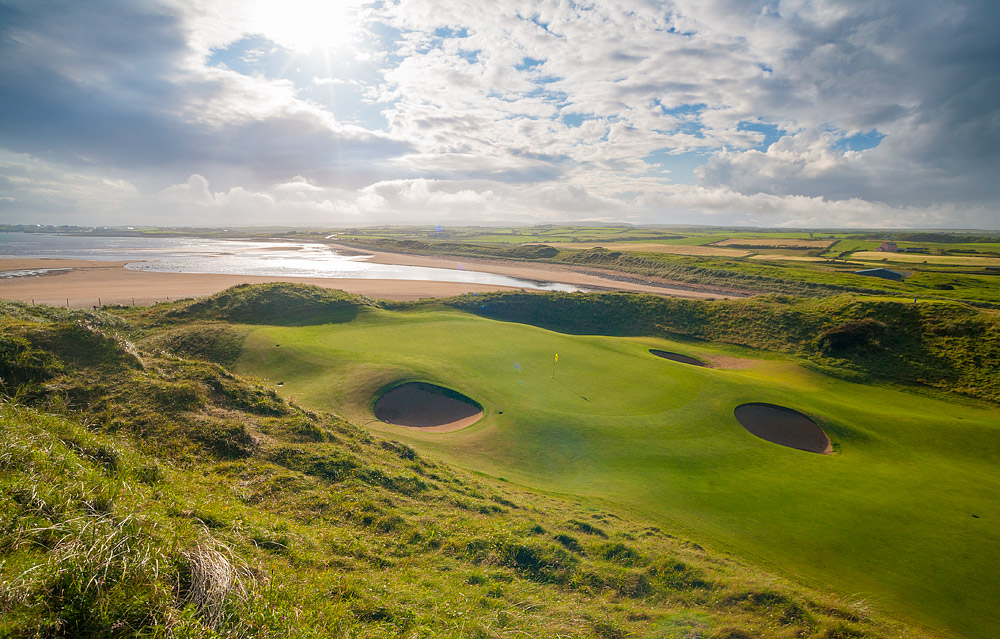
x=147, y=493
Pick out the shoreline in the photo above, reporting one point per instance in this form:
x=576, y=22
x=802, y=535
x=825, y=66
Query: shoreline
x=589, y=277
x=86, y=283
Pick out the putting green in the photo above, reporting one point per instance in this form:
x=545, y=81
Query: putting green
x=904, y=514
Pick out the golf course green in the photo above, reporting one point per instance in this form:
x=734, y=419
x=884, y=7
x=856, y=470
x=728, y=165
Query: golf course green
x=904, y=513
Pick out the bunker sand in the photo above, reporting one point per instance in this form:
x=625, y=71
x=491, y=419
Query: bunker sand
x=677, y=357
x=427, y=407
x=783, y=426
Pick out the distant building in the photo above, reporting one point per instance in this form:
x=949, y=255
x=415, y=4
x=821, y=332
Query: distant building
x=888, y=247
x=915, y=249
x=884, y=273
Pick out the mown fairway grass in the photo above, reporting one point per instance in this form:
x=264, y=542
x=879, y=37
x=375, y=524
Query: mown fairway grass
x=905, y=514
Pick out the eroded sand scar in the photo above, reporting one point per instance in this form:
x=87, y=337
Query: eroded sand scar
x=427, y=407
x=677, y=357
x=783, y=426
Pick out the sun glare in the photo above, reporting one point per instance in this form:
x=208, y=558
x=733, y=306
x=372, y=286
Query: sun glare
x=306, y=25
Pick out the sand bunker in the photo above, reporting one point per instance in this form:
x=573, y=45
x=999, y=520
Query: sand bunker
x=427, y=407
x=677, y=357
x=783, y=426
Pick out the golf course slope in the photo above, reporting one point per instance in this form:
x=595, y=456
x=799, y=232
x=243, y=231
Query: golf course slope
x=892, y=516
x=195, y=470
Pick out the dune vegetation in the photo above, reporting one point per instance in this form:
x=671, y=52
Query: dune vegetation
x=213, y=468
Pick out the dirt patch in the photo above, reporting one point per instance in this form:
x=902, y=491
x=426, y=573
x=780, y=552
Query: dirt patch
x=784, y=426
x=727, y=361
x=427, y=407
x=677, y=357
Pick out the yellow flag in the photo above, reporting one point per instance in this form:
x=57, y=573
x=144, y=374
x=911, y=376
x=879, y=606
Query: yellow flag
x=557, y=357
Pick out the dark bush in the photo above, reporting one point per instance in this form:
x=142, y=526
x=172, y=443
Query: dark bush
x=863, y=333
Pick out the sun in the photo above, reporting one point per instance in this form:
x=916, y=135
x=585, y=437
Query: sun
x=305, y=26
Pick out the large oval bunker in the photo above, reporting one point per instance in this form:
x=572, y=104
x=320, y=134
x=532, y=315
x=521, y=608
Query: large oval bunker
x=784, y=426
x=427, y=407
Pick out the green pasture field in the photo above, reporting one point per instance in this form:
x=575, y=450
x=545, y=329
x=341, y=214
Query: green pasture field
x=939, y=280
x=904, y=514
x=933, y=260
x=936, y=248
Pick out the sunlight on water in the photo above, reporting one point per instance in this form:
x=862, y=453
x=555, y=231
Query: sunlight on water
x=265, y=258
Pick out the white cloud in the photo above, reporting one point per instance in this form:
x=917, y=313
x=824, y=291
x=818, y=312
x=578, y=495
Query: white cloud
x=507, y=110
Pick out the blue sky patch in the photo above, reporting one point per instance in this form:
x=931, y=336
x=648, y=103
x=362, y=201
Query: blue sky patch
x=448, y=32
x=860, y=141
x=527, y=64
x=772, y=133
x=250, y=55
x=681, y=166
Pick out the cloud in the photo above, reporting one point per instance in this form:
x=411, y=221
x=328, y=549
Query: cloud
x=115, y=83
x=851, y=112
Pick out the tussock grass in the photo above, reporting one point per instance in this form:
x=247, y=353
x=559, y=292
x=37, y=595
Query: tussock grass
x=216, y=578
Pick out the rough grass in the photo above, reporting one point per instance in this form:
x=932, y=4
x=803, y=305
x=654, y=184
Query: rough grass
x=275, y=303
x=116, y=520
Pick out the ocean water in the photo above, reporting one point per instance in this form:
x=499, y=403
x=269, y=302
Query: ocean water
x=276, y=258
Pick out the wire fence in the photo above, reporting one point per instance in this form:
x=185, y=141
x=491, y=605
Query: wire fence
x=99, y=302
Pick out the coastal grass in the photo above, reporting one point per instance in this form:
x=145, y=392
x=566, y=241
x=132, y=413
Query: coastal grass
x=148, y=494
x=903, y=514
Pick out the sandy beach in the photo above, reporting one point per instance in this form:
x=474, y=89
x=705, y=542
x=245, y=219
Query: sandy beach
x=82, y=283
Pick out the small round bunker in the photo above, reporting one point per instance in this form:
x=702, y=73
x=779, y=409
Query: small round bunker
x=427, y=406
x=783, y=426
x=677, y=357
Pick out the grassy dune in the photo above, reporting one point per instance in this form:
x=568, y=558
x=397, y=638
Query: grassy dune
x=903, y=515
x=148, y=494
x=146, y=490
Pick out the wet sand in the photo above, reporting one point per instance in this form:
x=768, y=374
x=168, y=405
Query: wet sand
x=587, y=277
x=92, y=283
x=88, y=283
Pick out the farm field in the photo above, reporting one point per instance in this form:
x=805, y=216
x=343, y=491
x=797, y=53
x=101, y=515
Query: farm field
x=674, y=249
x=767, y=242
x=917, y=258
x=787, y=258
x=902, y=515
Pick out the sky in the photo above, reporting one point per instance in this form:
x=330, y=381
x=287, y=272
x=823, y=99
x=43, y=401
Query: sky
x=797, y=113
